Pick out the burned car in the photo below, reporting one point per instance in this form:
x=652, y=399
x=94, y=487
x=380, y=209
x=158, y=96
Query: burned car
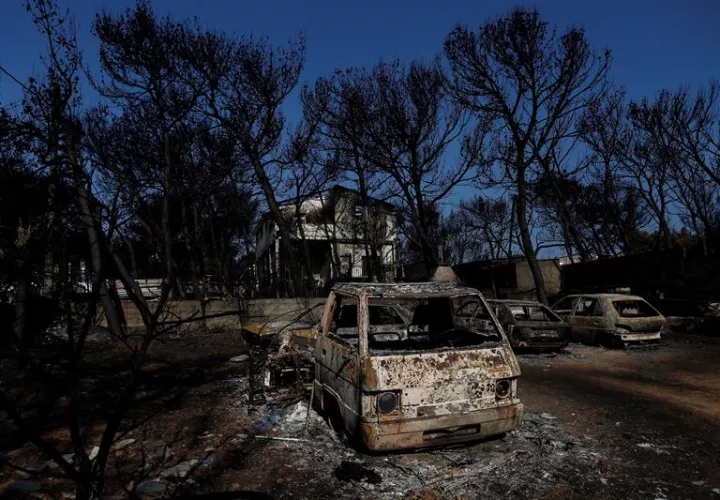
x=612, y=320
x=448, y=375
x=282, y=352
x=531, y=325
x=300, y=328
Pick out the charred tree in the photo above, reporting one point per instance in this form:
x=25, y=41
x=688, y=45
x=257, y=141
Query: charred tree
x=532, y=84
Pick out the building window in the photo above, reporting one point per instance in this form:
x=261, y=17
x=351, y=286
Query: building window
x=345, y=265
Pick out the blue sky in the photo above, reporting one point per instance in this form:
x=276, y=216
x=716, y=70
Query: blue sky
x=656, y=44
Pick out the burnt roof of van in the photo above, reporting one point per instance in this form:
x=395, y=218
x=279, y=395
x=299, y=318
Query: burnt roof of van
x=428, y=289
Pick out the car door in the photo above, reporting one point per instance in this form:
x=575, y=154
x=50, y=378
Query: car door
x=586, y=320
x=338, y=360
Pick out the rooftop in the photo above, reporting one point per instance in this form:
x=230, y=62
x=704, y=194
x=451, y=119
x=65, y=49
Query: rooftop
x=516, y=302
x=403, y=289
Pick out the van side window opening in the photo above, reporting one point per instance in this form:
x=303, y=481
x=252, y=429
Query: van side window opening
x=344, y=325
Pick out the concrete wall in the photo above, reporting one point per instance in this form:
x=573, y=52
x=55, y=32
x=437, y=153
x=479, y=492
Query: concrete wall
x=258, y=311
x=525, y=288
x=522, y=287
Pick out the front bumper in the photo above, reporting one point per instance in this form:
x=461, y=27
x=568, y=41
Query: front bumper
x=638, y=337
x=437, y=431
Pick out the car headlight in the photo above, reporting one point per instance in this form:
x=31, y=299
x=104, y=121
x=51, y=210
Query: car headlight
x=387, y=402
x=502, y=388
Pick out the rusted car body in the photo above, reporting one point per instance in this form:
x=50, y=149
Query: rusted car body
x=613, y=320
x=281, y=352
x=443, y=378
x=301, y=328
x=531, y=325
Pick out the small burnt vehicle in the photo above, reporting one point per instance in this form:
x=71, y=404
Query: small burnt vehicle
x=610, y=319
x=531, y=325
x=281, y=351
x=448, y=375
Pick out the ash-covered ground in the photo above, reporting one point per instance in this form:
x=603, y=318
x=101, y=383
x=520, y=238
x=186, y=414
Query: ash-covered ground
x=598, y=424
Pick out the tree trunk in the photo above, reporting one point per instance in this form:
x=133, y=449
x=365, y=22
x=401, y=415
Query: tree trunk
x=370, y=252
x=90, y=489
x=419, y=220
x=49, y=263
x=219, y=256
x=114, y=322
x=513, y=208
x=528, y=249
x=189, y=248
x=306, y=253
x=113, y=309
x=131, y=252
x=269, y=192
x=165, y=221
x=201, y=244
x=23, y=337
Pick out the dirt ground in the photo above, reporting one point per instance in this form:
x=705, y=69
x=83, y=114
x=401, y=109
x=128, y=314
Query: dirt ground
x=640, y=423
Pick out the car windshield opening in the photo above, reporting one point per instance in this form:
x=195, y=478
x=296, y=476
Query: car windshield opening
x=633, y=308
x=430, y=323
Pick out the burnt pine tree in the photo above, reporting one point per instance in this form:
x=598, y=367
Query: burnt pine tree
x=144, y=72
x=244, y=83
x=679, y=131
x=604, y=129
x=416, y=123
x=491, y=219
x=532, y=84
x=48, y=384
x=342, y=106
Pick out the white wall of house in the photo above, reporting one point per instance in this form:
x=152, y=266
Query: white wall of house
x=345, y=229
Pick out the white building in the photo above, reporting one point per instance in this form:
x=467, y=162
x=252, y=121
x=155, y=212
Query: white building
x=331, y=226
